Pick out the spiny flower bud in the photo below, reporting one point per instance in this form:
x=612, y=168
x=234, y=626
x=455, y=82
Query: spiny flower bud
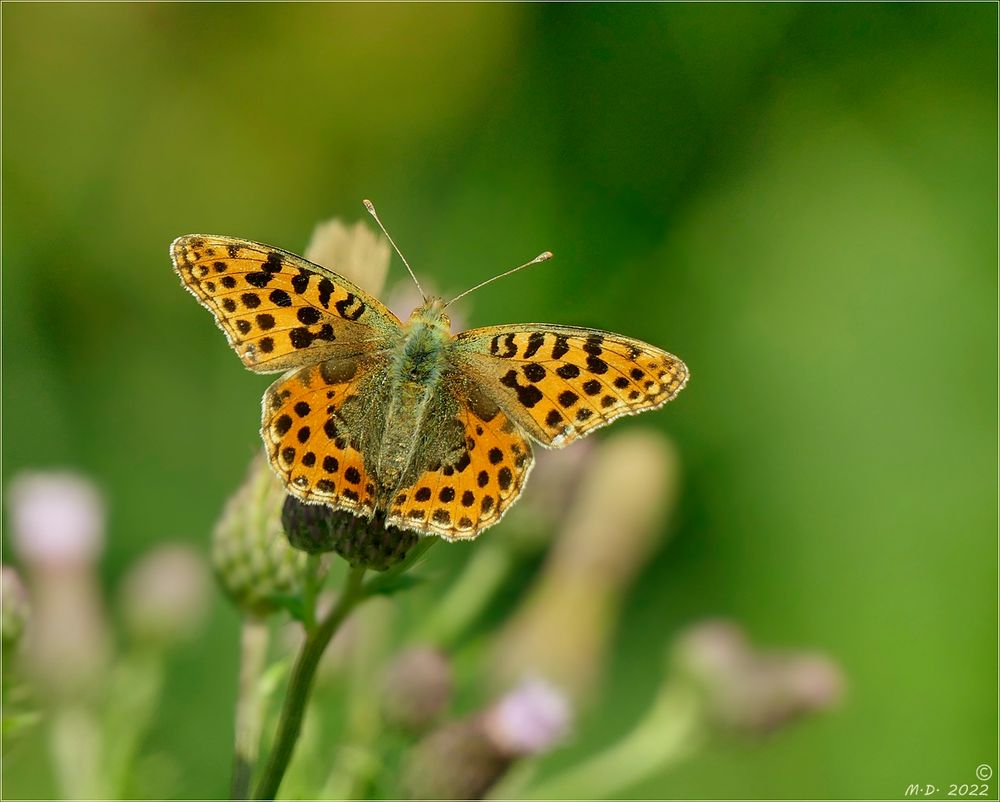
x=317, y=528
x=14, y=608
x=464, y=759
x=250, y=554
x=416, y=687
x=749, y=691
x=164, y=596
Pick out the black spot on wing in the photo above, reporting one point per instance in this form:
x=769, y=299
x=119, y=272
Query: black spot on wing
x=300, y=282
x=350, y=307
x=527, y=394
x=535, y=341
x=308, y=316
x=561, y=347
x=326, y=289
x=596, y=365
x=273, y=263
x=533, y=372
x=503, y=346
x=258, y=280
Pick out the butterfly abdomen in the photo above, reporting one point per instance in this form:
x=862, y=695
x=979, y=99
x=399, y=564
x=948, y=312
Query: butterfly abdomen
x=417, y=365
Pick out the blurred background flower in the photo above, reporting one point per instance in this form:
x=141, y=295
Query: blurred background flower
x=164, y=597
x=464, y=758
x=354, y=251
x=562, y=629
x=416, y=688
x=14, y=609
x=753, y=692
x=57, y=527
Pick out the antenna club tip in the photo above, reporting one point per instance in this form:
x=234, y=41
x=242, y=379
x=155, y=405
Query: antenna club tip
x=544, y=256
x=369, y=205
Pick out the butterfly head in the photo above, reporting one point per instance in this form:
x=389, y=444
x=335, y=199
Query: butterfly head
x=431, y=315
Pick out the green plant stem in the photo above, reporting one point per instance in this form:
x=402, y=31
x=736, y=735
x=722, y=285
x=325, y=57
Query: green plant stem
x=254, y=637
x=137, y=680
x=670, y=732
x=300, y=684
x=470, y=594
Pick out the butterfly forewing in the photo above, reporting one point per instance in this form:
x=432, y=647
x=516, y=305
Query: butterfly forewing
x=561, y=382
x=278, y=310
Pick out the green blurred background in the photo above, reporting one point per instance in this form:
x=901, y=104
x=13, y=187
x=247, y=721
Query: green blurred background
x=801, y=201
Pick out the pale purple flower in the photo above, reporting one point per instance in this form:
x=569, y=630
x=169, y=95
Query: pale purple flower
x=56, y=517
x=463, y=759
x=530, y=719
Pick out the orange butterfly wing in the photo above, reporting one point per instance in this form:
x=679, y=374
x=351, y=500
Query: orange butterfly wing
x=561, y=382
x=308, y=444
x=458, y=501
x=278, y=310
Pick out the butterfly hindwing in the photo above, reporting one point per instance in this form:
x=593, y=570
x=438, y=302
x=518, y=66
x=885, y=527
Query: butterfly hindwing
x=316, y=427
x=562, y=382
x=460, y=499
x=278, y=310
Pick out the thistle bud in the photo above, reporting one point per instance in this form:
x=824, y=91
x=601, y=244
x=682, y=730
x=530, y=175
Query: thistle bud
x=464, y=759
x=164, y=596
x=14, y=608
x=250, y=554
x=416, y=688
x=749, y=691
x=317, y=528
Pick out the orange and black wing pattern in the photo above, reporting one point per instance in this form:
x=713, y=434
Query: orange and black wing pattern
x=310, y=443
x=458, y=500
x=278, y=310
x=560, y=382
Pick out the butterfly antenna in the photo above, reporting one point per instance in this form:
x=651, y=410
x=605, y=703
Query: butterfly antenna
x=542, y=257
x=371, y=210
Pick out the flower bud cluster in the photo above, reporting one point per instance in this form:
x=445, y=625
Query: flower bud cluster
x=253, y=561
x=317, y=528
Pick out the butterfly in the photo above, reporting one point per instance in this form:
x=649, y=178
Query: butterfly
x=431, y=430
